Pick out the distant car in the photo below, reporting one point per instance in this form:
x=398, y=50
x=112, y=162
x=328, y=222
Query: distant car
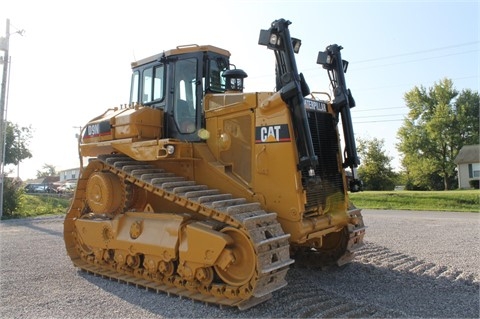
x=67, y=188
x=40, y=189
x=37, y=188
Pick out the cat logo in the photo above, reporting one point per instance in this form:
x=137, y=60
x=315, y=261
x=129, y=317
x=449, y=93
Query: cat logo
x=272, y=134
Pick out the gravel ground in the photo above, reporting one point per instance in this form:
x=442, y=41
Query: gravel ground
x=414, y=264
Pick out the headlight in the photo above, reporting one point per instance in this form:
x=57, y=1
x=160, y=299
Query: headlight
x=274, y=39
x=170, y=149
x=296, y=44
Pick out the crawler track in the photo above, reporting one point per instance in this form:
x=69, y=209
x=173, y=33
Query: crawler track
x=263, y=230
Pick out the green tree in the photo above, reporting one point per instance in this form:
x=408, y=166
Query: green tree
x=440, y=121
x=47, y=170
x=375, y=169
x=16, y=143
x=467, y=112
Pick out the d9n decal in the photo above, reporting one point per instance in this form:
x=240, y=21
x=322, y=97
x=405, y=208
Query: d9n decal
x=272, y=134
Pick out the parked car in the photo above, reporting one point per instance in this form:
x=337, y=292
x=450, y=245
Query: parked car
x=38, y=188
x=66, y=188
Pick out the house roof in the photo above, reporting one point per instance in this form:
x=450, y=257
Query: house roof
x=468, y=154
x=44, y=180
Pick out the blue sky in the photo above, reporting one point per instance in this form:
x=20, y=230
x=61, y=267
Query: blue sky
x=73, y=62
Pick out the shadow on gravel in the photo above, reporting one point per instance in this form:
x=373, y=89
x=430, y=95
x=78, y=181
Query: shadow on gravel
x=398, y=282
x=163, y=305
x=36, y=225
x=362, y=289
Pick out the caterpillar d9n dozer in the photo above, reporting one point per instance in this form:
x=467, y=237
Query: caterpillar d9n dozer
x=201, y=190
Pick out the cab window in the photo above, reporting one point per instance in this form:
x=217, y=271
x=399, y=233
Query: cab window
x=216, y=80
x=152, y=85
x=147, y=85
x=134, y=87
x=158, y=91
x=185, y=98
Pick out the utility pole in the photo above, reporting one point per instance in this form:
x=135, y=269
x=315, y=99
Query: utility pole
x=5, y=61
x=4, y=43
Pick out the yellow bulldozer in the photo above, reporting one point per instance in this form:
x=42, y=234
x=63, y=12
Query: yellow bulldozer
x=198, y=189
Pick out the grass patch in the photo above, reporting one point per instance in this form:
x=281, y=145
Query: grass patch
x=40, y=205
x=454, y=201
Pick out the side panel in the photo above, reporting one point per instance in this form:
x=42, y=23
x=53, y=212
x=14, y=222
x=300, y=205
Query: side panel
x=142, y=123
x=121, y=126
x=275, y=163
x=230, y=120
x=257, y=149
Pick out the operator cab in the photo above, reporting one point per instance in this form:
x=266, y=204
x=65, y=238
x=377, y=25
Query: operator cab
x=176, y=81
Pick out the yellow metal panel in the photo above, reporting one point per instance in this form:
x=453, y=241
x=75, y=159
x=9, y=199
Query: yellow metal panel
x=220, y=104
x=202, y=245
x=275, y=161
x=140, y=123
x=153, y=234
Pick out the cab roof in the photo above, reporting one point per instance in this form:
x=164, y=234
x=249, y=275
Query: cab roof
x=181, y=49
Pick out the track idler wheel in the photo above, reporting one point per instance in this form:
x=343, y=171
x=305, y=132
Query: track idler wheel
x=242, y=269
x=105, y=193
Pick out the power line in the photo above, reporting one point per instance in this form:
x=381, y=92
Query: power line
x=380, y=109
x=416, y=60
x=379, y=121
x=408, y=54
x=402, y=85
x=418, y=52
x=378, y=115
x=392, y=120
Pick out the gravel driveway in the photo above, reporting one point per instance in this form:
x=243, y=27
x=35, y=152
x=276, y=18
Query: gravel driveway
x=414, y=264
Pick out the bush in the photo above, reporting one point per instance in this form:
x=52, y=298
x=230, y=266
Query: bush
x=475, y=183
x=11, y=196
x=18, y=204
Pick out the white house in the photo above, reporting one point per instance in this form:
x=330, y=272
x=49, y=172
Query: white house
x=468, y=165
x=69, y=174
